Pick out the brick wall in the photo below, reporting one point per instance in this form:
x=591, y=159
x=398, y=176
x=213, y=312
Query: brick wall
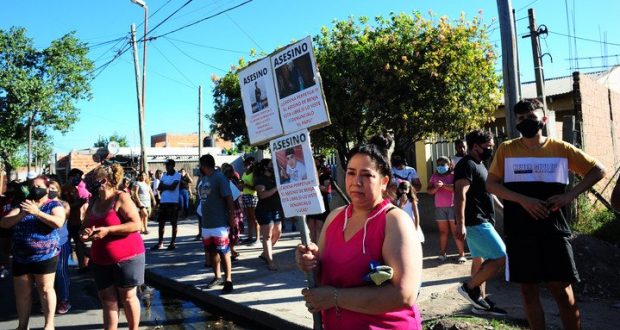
x=598, y=139
x=184, y=140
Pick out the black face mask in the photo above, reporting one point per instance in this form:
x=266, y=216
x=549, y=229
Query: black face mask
x=76, y=181
x=36, y=193
x=486, y=154
x=529, y=127
x=9, y=194
x=52, y=194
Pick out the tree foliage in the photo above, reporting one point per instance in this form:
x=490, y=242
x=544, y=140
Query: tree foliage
x=39, y=88
x=103, y=142
x=405, y=74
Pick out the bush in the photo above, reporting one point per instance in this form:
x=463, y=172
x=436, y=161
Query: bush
x=596, y=220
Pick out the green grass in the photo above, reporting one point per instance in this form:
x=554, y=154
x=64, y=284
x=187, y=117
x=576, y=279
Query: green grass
x=596, y=220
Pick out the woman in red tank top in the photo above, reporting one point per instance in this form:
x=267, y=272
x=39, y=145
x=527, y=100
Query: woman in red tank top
x=371, y=229
x=117, y=253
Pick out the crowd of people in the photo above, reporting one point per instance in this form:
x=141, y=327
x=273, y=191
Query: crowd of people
x=367, y=254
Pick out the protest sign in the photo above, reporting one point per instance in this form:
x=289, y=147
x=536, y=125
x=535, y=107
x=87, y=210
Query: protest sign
x=260, y=105
x=298, y=88
x=296, y=175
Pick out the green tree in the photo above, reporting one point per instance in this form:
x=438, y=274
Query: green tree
x=411, y=76
x=103, y=142
x=39, y=88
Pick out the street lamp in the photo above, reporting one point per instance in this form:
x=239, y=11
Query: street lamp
x=142, y=4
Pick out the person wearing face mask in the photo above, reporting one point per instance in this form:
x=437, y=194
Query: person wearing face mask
x=441, y=184
x=62, y=281
x=531, y=174
x=35, y=250
x=7, y=203
x=475, y=220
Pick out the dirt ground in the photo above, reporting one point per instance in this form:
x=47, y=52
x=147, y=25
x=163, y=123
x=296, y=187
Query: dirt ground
x=598, y=293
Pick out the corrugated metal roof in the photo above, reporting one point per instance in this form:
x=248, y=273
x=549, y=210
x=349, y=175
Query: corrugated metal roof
x=563, y=85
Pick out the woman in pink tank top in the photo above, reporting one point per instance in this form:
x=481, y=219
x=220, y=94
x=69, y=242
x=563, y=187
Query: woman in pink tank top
x=117, y=253
x=369, y=230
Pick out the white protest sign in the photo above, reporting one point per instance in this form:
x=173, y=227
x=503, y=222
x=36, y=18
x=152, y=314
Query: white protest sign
x=296, y=174
x=260, y=104
x=298, y=87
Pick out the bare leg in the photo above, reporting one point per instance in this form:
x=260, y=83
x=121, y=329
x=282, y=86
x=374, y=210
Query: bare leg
x=252, y=223
x=460, y=244
x=487, y=270
x=109, y=303
x=565, y=298
x=475, y=267
x=530, y=294
x=45, y=286
x=23, y=299
x=444, y=230
x=227, y=266
x=131, y=304
x=276, y=232
x=215, y=263
x=267, y=244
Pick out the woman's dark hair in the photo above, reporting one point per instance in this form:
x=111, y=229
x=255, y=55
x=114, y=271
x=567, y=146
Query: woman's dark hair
x=260, y=167
x=377, y=149
x=42, y=177
x=411, y=195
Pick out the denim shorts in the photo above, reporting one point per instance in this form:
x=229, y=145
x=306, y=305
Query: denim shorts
x=484, y=242
x=444, y=213
x=267, y=217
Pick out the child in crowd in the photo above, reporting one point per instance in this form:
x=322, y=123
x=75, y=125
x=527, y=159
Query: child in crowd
x=441, y=184
x=407, y=200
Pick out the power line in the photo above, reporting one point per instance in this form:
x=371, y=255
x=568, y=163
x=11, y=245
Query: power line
x=164, y=76
x=193, y=58
x=584, y=39
x=207, y=46
x=244, y=32
x=201, y=20
x=593, y=57
x=174, y=66
x=169, y=16
x=529, y=4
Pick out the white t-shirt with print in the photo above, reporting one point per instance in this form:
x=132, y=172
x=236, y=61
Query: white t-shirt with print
x=170, y=196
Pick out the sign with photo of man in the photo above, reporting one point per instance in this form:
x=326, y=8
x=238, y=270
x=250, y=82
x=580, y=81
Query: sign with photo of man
x=296, y=175
x=298, y=87
x=260, y=105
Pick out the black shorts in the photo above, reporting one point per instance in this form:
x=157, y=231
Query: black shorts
x=267, y=217
x=125, y=274
x=540, y=259
x=41, y=267
x=168, y=212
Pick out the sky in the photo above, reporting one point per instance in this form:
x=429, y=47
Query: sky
x=178, y=63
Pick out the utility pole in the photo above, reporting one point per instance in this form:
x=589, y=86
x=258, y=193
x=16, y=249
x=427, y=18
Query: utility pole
x=29, y=145
x=199, y=122
x=509, y=64
x=138, y=93
x=538, y=70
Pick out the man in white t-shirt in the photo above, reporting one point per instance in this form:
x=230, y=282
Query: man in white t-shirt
x=402, y=172
x=295, y=169
x=168, y=204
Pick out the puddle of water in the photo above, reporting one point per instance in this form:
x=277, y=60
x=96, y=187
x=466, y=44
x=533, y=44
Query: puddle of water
x=165, y=310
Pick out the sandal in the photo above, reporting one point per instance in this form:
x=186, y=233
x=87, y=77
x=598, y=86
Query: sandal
x=234, y=255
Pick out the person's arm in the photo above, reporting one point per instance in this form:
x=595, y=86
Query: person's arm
x=55, y=220
x=416, y=214
x=401, y=251
x=461, y=186
x=592, y=177
x=130, y=218
x=12, y=218
x=230, y=205
x=432, y=188
x=135, y=197
x=264, y=193
x=535, y=207
x=152, y=198
x=448, y=186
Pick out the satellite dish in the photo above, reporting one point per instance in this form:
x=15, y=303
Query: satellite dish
x=113, y=148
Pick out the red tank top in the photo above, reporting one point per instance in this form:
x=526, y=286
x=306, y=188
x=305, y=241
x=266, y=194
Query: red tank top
x=354, y=256
x=113, y=248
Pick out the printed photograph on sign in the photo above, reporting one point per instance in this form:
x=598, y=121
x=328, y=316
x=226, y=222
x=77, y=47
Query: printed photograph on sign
x=298, y=85
x=291, y=165
x=260, y=101
x=295, y=76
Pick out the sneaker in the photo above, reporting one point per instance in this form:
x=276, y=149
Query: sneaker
x=492, y=311
x=172, y=246
x=462, y=260
x=473, y=296
x=63, y=307
x=442, y=257
x=228, y=287
x=214, y=282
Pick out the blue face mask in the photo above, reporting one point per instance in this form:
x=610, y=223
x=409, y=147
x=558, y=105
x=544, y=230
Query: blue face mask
x=443, y=169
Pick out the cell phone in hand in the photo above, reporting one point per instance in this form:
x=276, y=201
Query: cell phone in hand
x=96, y=231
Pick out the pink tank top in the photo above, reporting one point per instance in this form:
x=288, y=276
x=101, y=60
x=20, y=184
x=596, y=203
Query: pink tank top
x=113, y=248
x=354, y=256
